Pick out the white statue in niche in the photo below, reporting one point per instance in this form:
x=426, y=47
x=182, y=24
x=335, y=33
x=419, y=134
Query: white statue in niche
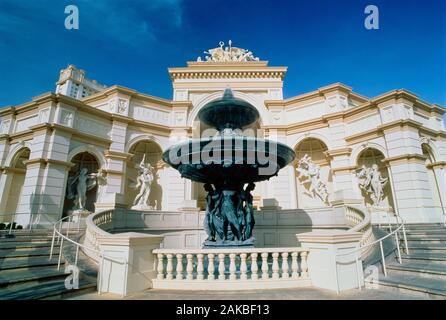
x=309, y=173
x=371, y=181
x=80, y=183
x=144, y=183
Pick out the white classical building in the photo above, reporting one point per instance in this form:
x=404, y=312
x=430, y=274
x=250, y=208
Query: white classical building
x=388, y=152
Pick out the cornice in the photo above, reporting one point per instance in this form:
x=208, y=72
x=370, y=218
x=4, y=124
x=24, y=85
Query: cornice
x=46, y=161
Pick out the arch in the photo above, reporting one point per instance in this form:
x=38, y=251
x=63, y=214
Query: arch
x=90, y=149
x=312, y=135
x=430, y=148
x=263, y=111
x=144, y=137
x=150, y=150
x=356, y=152
x=14, y=151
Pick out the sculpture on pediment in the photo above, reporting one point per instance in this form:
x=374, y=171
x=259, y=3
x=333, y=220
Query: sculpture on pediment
x=80, y=183
x=309, y=175
x=228, y=54
x=372, y=183
x=143, y=183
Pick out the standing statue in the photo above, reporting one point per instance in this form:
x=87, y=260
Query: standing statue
x=229, y=218
x=371, y=181
x=79, y=184
x=309, y=172
x=144, y=182
x=248, y=210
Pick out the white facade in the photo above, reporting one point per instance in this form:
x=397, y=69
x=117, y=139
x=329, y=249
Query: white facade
x=45, y=141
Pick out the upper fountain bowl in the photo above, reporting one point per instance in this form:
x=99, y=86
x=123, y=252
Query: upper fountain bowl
x=228, y=112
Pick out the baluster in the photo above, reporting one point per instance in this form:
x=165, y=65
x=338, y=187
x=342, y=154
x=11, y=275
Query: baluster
x=221, y=266
x=294, y=266
x=303, y=264
x=232, y=268
x=200, y=267
x=243, y=267
x=160, y=267
x=254, y=267
x=275, y=265
x=169, y=267
x=189, y=267
x=211, y=267
x=179, y=275
x=265, y=269
x=285, y=273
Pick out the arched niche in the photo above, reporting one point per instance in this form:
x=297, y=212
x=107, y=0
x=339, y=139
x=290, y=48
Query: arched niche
x=429, y=153
x=15, y=179
x=316, y=150
x=91, y=163
x=152, y=153
x=367, y=158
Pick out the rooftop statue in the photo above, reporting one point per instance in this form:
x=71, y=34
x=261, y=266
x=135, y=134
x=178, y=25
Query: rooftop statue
x=228, y=54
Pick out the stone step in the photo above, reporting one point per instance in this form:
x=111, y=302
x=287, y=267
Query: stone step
x=26, y=263
x=424, y=270
x=424, y=227
x=26, y=239
x=52, y=289
x=24, y=245
x=15, y=276
x=424, y=241
x=431, y=258
x=425, y=287
x=430, y=249
x=7, y=254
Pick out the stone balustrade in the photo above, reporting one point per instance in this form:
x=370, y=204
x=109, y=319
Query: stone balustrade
x=359, y=221
x=223, y=269
x=96, y=226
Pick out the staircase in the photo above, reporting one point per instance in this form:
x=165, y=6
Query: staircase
x=26, y=272
x=423, y=271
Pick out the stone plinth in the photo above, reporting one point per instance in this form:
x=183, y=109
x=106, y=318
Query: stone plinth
x=129, y=265
x=327, y=268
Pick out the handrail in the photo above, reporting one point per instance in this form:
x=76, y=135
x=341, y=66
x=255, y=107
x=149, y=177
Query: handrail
x=361, y=247
x=61, y=238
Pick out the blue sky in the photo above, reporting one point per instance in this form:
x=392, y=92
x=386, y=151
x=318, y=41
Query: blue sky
x=133, y=42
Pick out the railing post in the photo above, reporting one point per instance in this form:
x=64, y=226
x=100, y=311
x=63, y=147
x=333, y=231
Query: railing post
x=383, y=258
x=405, y=239
x=69, y=224
x=179, y=271
x=294, y=265
x=232, y=267
x=189, y=267
x=160, y=267
x=254, y=267
x=303, y=264
x=200, y=267
x=265, y=269
x=52, y=243
x=221, y=266
x=211, y=267
x=285, y=273
x=275, y=266
x=60, y=254
x=77, y=255
x=169, y=267
x=243, y=267
x=398, y=247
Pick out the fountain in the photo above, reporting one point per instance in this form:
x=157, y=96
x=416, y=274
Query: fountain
x=229, y=164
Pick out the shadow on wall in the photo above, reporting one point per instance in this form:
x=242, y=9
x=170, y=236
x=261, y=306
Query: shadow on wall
x=43, y=209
